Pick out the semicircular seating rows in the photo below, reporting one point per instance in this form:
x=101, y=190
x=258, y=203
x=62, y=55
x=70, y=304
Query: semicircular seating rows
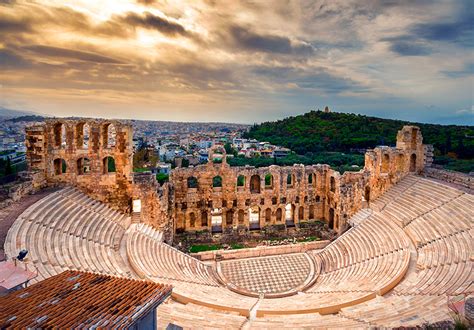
x=408, y=253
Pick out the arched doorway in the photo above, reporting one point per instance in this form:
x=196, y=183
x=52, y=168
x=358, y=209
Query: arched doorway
x=254, y=217
x=301, y=213
x=279, y=215
x=229, y=218
x=60, y=166
x=413, y=163
x=289, y=215
x=216, y=220
x=268, y=215
x=331, y=218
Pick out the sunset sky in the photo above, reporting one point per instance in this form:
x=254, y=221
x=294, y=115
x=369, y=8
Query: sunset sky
x=238, y=61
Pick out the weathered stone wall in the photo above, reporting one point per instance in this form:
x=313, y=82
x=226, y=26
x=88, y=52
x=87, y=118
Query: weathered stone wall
x=214, y=196
x=460, y=179
x=61, y=152
x=288, y=195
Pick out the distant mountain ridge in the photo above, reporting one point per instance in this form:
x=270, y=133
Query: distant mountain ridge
x=12, y=113
x=318, y=131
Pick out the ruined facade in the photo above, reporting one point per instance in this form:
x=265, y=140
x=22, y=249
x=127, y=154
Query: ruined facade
x=96, y=156
x=216, y=196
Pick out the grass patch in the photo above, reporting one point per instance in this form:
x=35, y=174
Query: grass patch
x=204, y=247
x=309, y=239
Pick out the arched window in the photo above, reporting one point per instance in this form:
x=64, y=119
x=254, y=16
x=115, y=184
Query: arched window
x=268, y=180
x=108, y=135
x=83, y=166
x=289, y=180
x=60, y=166
x=82, y=135
x=59, y=135
x=385, y=163
x=204, y=218
x=240, y=181
x=241, y=216
x=279, y=215
x=331, y=218
x=301, y=213
x=229, y=218
x=217, y=181
x=400, y=162
x=192, y=220
x=311, y=212
x=268, y=215
x=255, y=184
x=108, y=165
x=318, y=199
x=413, y=163
x=192, y=182
x=333, y=184
x=310, y=179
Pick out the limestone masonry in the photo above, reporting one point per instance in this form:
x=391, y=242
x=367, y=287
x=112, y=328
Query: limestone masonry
x=96, y=155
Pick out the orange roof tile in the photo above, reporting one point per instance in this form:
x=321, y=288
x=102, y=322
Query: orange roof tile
x=80, y=299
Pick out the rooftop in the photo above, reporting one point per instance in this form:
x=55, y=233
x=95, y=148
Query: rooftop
x=79, y=299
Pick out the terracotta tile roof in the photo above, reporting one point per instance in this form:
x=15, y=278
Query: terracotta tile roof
x=80, y=299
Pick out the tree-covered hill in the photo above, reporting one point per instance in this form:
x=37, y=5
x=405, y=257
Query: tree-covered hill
x=318, y=131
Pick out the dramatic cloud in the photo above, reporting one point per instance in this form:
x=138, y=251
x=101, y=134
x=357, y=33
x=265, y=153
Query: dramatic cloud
x=150, y=21
x=238, y=60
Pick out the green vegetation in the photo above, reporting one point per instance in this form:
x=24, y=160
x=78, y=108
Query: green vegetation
x=217, y=181
x=240, y=181
x=162, y=178
x=337, y=160
x=334, y=138
x=204, y=247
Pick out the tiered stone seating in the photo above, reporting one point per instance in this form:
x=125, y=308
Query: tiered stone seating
x=306, y=321
x=400, y=311
x=360, y=216
x=394, y=192
x=68, y=230
x=192, y=280
x=159, y=260
x=192, y=316
x=417, y=200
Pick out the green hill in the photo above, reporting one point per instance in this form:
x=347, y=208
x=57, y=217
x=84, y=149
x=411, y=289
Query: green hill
x=319, y=132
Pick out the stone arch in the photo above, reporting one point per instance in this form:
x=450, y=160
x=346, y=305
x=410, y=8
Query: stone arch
x=59, y=132
x=229, y=218
x=82, y=135
x=279, y=215
x=60, y=166
x=290, y=180
x=108, y=165
x=385, y=163
x=241, y=216
x=268, y=215
x=254, y=217
x=217, y=181
x=413, y=163
x=289, y=212
x=109, y=135
x=241, y=181
x=301, y=213
x=400, y=162
x=331, y=218
x=255, y=184
x=268, y=181
x=311, y=212
x=216, y=219
x=333, y=184
x=192, y=220
x=204, y=218
x=192, y=182
x=83, y=166
x=367, y=193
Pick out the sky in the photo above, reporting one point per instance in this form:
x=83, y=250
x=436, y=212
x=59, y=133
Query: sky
x=238, y=61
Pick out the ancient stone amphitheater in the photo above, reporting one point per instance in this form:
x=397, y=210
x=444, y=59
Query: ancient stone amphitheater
x=406, y=254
